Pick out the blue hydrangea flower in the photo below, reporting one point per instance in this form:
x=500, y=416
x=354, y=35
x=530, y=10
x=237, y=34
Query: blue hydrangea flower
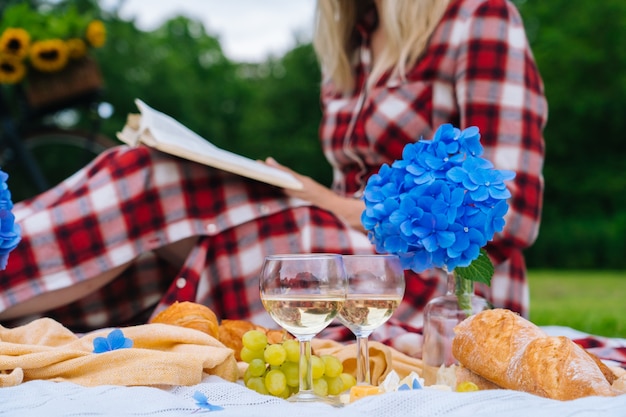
x=438, y=205
x=10, y=232
x=115, y=340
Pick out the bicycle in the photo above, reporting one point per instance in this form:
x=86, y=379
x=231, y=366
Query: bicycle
x=37, y=149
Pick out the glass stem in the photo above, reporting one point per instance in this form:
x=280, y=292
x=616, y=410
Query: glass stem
x=306, y=378
x=362, y=361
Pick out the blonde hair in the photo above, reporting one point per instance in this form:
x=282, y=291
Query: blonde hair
x=407, y=24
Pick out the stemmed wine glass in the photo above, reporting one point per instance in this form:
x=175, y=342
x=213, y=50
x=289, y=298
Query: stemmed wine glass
x=303, y=293
x=375, y=289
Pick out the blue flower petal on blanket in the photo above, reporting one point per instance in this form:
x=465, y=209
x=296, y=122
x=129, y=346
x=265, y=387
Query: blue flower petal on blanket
x=114, y=341
x=203, y=402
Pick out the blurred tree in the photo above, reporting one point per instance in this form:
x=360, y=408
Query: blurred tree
x=178, y=69
x=581, y=53
x=283, y=120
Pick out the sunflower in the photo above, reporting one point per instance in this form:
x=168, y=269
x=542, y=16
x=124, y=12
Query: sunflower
x=49, y=55
x=12, y=69
x=96, y=33
x=15, y=42
x=76, y=47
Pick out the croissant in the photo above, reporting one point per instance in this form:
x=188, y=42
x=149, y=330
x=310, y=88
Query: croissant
x=513, y=353
x=230, y=333
x=190, y=315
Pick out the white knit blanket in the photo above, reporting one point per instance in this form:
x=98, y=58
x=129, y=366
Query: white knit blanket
x=49, y=399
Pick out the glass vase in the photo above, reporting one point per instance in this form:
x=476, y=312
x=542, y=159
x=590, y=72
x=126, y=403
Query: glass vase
x=441, y=315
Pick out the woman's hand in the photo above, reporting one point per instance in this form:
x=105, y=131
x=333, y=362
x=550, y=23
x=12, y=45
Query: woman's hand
x=348, y=209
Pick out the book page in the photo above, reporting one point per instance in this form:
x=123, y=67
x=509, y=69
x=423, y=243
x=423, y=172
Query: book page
x=168, y=130
x=169, y=135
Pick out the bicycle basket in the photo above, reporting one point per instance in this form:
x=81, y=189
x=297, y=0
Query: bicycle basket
x=79, y=79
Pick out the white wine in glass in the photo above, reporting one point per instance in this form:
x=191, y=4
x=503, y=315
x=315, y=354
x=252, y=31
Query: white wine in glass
x=375, y=289
x=303, y=293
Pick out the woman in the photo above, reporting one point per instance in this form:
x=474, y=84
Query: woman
x=164, y=229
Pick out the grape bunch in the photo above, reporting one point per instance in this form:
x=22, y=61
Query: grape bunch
x=273, y=368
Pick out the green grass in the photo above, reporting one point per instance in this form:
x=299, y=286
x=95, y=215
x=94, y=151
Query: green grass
x=589, y=301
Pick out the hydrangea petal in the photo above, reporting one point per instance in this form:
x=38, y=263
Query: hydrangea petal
x=202, y=401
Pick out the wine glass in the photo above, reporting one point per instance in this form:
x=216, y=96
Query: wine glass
x=303, y=293
x=375, y=289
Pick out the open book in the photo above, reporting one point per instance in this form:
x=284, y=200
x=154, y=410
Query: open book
x=162, y=132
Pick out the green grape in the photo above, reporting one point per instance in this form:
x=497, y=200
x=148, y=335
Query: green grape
x=332, y=366
x=247, y=355
x=320, y=387
x=335, y=385
x=317, y=367
x=286, y=393
x=247, y=375
x=257, y=384
x=348, y=380
x=275, y=354
x=254, y=340
x=256, y=367
x=275, y=382
x=292, y=347
x=290, y=370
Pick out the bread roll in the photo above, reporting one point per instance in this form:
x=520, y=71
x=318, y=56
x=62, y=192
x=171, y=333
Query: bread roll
x=556, y=367
x=513, y=353
x=190, y=315
x=606, y=371
x=491, y=341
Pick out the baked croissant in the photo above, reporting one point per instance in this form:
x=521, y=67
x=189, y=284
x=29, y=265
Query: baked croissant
x=190, y=315
x=513, y=353
x=231, y=331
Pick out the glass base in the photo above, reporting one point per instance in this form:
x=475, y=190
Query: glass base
x=309, y=397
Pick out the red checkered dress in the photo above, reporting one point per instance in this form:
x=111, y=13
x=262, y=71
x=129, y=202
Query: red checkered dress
x=478, y=70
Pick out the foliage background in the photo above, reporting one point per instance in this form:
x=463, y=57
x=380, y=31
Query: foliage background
x=272, y=108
